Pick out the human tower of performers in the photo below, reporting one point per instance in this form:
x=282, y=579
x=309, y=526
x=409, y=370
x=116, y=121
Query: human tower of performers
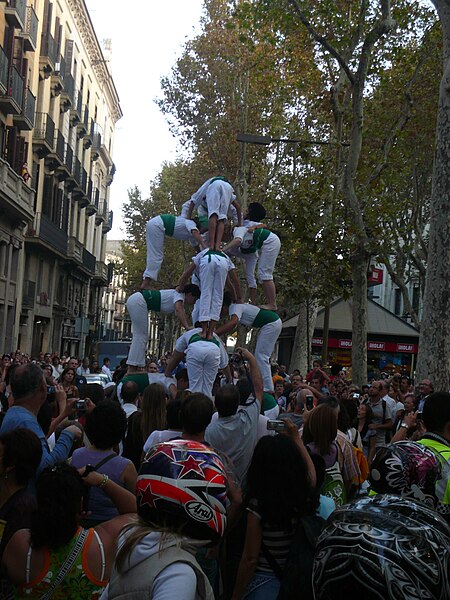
x=210, y=284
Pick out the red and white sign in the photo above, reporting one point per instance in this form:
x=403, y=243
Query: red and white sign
x=376, y=277
x=381, y=346
x=405, y=348
x=345, y=343
x=373, y=346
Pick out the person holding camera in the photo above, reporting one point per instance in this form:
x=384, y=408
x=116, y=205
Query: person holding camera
x=29, y=391
x=105, y=427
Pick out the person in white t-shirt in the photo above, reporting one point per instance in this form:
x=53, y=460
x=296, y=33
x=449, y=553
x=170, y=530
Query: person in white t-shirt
x=174, y=426
x=105, y=368
x=211, y=268
x=269, y=324
x=157, y=228
x=204, y=358
x=141, y=303
x=235, y=432
x=254, y=243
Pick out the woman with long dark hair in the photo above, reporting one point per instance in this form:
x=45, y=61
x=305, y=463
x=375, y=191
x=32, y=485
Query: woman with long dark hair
x=280, y=490
x=33, y=558
x=67, y=380
x=141, y=424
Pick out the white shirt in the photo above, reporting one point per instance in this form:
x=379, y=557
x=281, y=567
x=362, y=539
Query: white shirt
x=107, y=371
x=246, y=313
x=168, y=300
x=201, y=255
x=182, y=345
x=156, y=437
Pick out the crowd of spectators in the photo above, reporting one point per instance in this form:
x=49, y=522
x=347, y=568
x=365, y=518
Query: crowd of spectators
x=137, y=487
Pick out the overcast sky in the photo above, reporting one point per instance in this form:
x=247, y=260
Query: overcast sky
x=147, y=37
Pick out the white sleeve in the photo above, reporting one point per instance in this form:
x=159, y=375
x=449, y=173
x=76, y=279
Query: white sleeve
x=230, y=264
x=152, y=439
x=190, y=225
x=185, y=209
x=175, y=581
x=237, y=309
x=181, y=343
x=250, y=266
x=198, y=196
x=239, y=232
x=177, y=296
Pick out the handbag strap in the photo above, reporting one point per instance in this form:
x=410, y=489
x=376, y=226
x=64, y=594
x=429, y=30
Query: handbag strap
x=278, y=571
x=104, y=460
x=67, y=564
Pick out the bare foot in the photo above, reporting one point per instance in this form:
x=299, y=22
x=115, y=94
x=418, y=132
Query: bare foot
x=146, y=284
x=269, y=307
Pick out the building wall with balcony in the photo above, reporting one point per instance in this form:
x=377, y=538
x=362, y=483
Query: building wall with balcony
x=17, y=107
x=116, y=323
x=57, y=98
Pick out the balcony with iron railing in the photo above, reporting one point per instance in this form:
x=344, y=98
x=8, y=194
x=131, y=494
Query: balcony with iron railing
x=43, y=134
x=58, y=76
x=107, y=225
x=11, y=102
x=101, y=273
x=30, y=32
x=16, y=194
x=97, y=133
x=84, y=123
x=77, y=173
x=25, y=119
x=4, y=71
x=56, y=158
x=91, y=208
x=45, y=232
x=76, y=108
x=88, y=261
x=47, y=58
x=67, y=92
x=84, y=200
x=87, y=140
x=16, y=13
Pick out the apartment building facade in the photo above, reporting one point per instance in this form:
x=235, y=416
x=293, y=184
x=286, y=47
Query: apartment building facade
x=58, y=109
x=116, y=322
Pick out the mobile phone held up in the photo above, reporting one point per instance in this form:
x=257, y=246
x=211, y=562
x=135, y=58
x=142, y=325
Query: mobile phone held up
x=309, y=402
x=276, y=425
x=81, y=404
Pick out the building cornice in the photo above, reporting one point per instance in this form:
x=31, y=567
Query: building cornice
x=89, y=38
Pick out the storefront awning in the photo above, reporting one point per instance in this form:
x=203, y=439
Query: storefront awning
x=380, y=321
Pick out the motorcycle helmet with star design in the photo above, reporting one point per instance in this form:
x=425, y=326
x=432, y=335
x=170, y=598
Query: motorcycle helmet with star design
x=182, y=484
x=383, y=548
x=408, y=469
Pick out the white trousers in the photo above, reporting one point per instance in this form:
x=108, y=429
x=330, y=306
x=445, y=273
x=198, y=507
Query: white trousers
x=202, y=362
x=218, y=199
x=267, y=338
x=213, y=271
x=155, y=234
x=138, y=311
x=267, y=257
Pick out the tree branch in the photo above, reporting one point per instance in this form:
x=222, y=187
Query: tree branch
x=322, y=41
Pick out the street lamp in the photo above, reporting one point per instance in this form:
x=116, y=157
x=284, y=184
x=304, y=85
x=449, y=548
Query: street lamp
x=264, y=140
